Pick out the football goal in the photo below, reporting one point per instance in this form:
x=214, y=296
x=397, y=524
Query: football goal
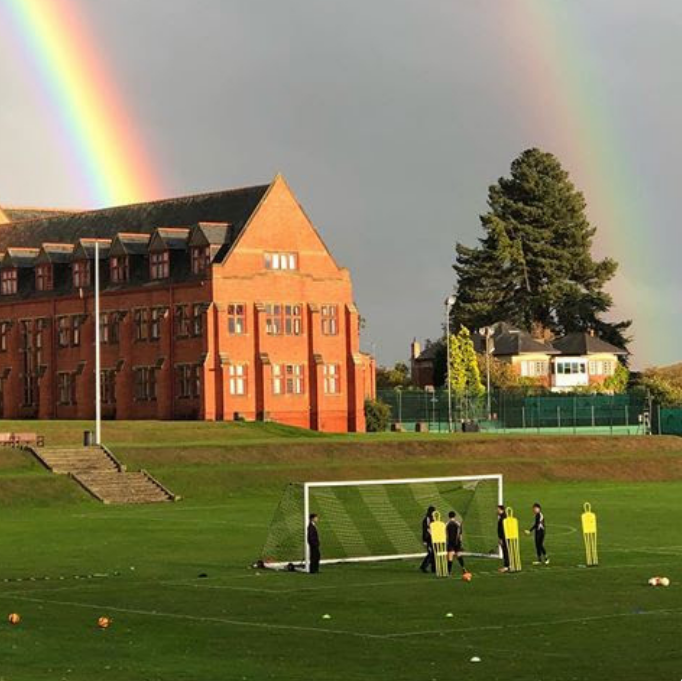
x=373, y=520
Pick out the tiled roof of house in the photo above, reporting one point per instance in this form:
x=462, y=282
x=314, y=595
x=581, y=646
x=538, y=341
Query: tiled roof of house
x=55, y=253
x=585, y=344
x=20, y=214
x=20, y=257
x=234, y=206
x=128, y=243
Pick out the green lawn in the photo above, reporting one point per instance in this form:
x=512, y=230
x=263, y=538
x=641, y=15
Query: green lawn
x=387, y=621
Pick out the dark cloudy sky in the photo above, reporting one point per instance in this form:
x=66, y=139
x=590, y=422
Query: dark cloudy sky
x=389, y=118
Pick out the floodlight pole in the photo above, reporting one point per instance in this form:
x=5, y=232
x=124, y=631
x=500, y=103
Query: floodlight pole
x=449, y=302
x=98, y=378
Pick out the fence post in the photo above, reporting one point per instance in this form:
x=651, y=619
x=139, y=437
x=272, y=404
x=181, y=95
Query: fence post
x=592, y=408
x=627, y=418
x=658, y=409
x=523, y=417
x=558, y=417
x=575, y=413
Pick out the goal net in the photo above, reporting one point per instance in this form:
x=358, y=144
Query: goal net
x=372, y=520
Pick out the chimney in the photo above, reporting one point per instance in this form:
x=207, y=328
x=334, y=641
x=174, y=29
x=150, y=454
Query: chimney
x=415, y=349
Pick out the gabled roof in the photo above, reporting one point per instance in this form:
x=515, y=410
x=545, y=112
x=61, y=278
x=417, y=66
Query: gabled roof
x=55, y=253
x=507, y=341
x=128, y=243
x=583, y=343
x=234, y=206
x=210, y=234
x=85, y=249
x=169, y=238
x=19, y=257
x=21, y=213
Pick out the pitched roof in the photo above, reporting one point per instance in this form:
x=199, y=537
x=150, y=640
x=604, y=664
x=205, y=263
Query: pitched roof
x=85, y=249
x=19, y=257
x=128, y=243
x=55, y=253
x=19, y=214
x=210, y=233
x=583, y=343
x=234, y=206
x=173, y=238
x=507, y=341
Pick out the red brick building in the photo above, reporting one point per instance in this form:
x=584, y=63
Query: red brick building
x=216, y=306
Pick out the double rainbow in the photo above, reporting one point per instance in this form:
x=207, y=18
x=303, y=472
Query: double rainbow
x=112, y=161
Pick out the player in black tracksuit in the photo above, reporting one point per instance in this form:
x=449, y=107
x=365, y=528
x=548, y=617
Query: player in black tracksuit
x=429, y=558
x=501, y=538
x=453, y=537
x=540, y=530
x=314, y=544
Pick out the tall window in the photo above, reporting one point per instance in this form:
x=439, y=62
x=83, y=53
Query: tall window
x=182, y=321
x=30, y=330
x=141, y=323
x=44, y=280
x=108, y=386
x=330, y=320
x=159, y=265
x=155, y=324
x=197, y=320
x=201, y=258
x=284, y=320
x=76, y=323
x=332, y=383
x=238, y=379
x=8, y=281
x=81, y=273
x=4, y=336
x=236, y=319
x=287, y=379
x=63, y=332
x=145, y=384
x=281, y=261
x=188, y=380
x=66, y=388
x=119, y=269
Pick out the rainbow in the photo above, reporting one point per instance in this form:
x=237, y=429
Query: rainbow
x=110, y=159
x=573, y=116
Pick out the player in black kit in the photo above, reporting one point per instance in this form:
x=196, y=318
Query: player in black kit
x=453, y=536
x=540, y=530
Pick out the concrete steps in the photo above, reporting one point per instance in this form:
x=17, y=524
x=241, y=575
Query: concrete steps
x=102, y=475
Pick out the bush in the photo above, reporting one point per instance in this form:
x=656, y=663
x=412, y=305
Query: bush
x=377, y=416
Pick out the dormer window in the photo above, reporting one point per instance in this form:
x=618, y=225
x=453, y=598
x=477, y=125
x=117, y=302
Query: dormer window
x=201, y=259
x=8, y=281
x=44, y=279
x=281, y=261
x=159, y=265
x=81, y=273
x=119, y=269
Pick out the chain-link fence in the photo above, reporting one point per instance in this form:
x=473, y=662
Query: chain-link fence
x=518, y=411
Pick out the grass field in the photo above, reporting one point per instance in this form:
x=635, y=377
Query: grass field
x=388, y=620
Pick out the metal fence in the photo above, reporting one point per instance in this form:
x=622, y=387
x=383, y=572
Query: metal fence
x=519, y=411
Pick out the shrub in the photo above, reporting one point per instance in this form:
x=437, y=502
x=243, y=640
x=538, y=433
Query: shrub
x=377, y=416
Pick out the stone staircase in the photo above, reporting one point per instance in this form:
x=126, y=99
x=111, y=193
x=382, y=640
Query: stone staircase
x=100, y=474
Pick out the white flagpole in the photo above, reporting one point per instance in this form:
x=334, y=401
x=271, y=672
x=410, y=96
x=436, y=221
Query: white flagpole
x=98, y=396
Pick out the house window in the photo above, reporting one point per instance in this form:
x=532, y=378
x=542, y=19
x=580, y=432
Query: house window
x=609, y=368
x=198, y=320
x=188, y=380
x=182, y=321
x=76, y=323
x=8, y=281
x=66, y=388
x=44, y=280
x=63, y=332
x=534, y=368
x=281, y=261
x=155, y=324
x=108, y=386
x=159, y=265
x=201, y=259
x=571, y=367
x=236, y=319
x=141, y=323
x=331, y=379
x=287, y=379
x=119, y=269
x=284, y=320
x=81, y=274
x=238, y=379
x=4, y=336
x=330, y=320
x=145, y=384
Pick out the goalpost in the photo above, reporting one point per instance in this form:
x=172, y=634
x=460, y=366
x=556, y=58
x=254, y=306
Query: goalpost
x=374, y=520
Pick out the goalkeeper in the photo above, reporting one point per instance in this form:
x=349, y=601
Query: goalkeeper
x=501, y=538
x=429, y=558
x=453, y=532
x=539, y=528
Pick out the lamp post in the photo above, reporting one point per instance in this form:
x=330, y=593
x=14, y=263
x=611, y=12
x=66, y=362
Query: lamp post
x=98, y=377
x=449, y=302
x=487, y=332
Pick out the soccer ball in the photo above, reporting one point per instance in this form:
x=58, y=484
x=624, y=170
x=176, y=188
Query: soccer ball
x=654, y=581
x=467, y=576
x=103, y=622
x=14, y=618
x=664, y=581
